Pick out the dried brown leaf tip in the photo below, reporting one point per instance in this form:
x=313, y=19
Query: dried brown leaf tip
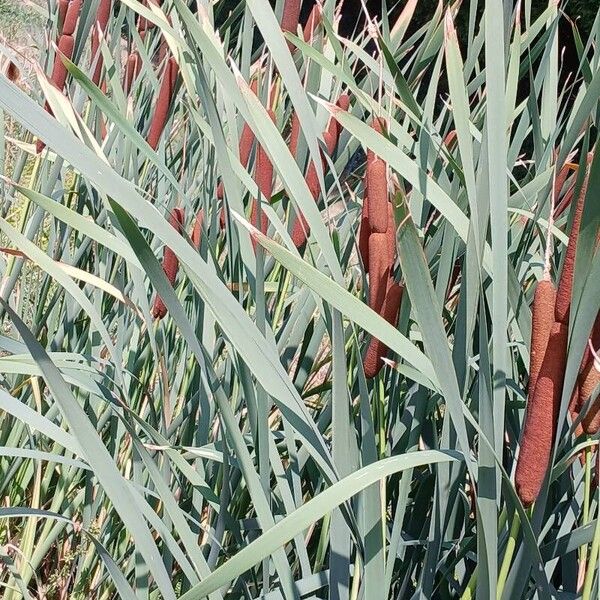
x=11, y=71
x=170, y=263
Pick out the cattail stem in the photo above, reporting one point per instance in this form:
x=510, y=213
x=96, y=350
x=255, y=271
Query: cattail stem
x=509, y=552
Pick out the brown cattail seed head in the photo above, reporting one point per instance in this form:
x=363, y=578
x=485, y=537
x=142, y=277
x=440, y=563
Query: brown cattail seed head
x=376, y=185
x=542, y=319
x=63, y=6
x=132, y=70
x=541, y=417
x=161, y=110
x=377, y=350
x=246, y=141
x=565, y=285
x=379, y=269
x=170, y=263
x=71, y=17
x=290, y=16
x=314, y=20
x=102, y=17
x=364, y=234
x=197, y=231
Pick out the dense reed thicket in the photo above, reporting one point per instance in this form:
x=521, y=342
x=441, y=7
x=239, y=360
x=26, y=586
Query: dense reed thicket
x=291, y=311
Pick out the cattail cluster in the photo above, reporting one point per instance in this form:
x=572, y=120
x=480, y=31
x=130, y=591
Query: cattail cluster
x=549, y=336
x=163, y=103
x=68, y=17
x=377, y=246
x=170, y=263
x=301, y=229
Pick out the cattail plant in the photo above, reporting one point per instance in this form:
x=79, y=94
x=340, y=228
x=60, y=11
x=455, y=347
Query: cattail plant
x=377, y=350
x=161, y=109
x=170, y=263
x=541, y=418
x=376, y=186
x=102, y=16
x=565, y=285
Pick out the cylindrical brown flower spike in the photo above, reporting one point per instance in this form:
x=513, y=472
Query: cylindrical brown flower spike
x=132, y=70
x=542, y=319
x=379, y=269
x=66, y=44
x=197, y=231
x=301, y=230
x=376, y=187
x=377, y=350
x=102, y=17
x=58, y=78
x=170, y=263
x=161, y=110
x=63, y=6
x=541, y=417
x=143, y=23
x=263, y=175
x=565, y=285
x=71, y=17
x=314, y=20
x=364, y=234
x=290, y=17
